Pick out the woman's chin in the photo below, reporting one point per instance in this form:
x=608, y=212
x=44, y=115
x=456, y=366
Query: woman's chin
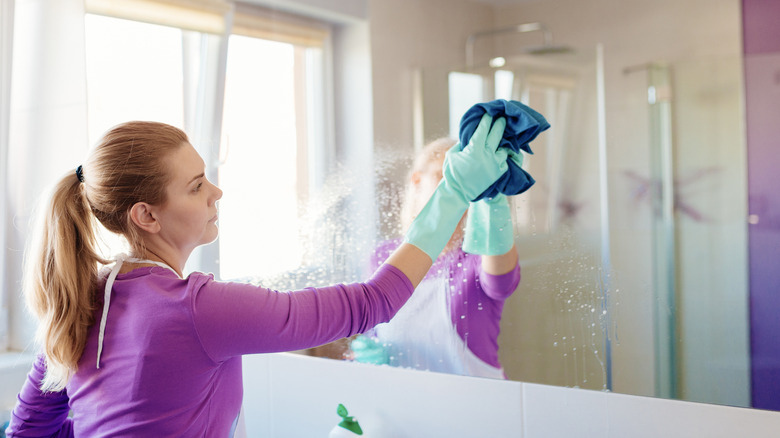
x=211, y=235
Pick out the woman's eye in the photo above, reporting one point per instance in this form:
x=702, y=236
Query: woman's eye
x=197, y=188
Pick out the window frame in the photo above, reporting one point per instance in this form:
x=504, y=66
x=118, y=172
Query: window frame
x=206, y=45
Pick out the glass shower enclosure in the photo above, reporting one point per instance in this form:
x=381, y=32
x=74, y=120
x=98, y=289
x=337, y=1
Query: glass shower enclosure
x=633, y=241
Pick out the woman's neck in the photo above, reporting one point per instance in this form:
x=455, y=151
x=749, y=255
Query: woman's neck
x=150, y=255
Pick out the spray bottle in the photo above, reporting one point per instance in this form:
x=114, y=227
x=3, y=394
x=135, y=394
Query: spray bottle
x=348, y=428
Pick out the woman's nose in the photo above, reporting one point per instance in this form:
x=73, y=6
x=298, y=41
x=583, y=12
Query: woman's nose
x=217, y=193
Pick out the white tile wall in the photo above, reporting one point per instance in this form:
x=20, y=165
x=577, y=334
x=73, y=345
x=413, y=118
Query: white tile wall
x=288, y=395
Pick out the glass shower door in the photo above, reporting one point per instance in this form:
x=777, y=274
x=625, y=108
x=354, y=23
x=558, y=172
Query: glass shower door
x=683, y=202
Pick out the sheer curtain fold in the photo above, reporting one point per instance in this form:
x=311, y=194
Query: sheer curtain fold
x=205, y=59
x=47, y=126
x=6, y=51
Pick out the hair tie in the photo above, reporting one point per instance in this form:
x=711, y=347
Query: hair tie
x=79, y=174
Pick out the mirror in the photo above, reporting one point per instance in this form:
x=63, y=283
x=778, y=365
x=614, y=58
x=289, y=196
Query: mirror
x=634, y=259
x=646, y=206
x=633, y=243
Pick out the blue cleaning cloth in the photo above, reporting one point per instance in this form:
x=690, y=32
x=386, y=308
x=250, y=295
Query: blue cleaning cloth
x=523, y=124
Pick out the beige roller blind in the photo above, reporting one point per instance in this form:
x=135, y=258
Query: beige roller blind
x=211, y=16
x=208, y=16
x=268, y=24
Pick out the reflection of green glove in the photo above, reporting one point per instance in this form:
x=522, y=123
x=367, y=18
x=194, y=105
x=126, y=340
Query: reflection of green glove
x=489, y=227
x=369, y=350
x=466, y=174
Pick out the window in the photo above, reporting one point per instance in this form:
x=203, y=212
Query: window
x=272, y=76
x=134, y=72
x=271, y=132
x=260, y=173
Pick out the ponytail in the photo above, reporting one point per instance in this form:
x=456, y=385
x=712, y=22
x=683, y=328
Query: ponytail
x=127, y=166
x=61, y=270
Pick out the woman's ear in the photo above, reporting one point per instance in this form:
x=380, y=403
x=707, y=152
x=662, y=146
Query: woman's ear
x=144, y=218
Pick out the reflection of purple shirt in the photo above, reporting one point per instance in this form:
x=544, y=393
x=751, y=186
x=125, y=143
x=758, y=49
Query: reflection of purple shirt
x=171, y=359
x=476, y=298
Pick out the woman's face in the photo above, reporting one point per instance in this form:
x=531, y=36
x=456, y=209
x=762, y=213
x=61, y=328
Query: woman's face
x=425, y=182
x=427, y=179
x=188, y=218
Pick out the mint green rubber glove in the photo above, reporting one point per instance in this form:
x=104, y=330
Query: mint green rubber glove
x=489, y=226
x=466, y=174
x=369, y=350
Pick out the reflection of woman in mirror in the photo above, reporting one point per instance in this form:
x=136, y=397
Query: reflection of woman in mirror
x=140, y=349
x=451, y=324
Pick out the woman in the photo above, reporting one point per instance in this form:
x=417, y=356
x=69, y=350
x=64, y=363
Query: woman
x=451, y=323
x=141, y=351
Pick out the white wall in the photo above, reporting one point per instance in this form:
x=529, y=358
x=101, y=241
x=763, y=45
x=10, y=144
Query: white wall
x=289, y=395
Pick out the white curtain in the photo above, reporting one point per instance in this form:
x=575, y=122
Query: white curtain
x=47, y=133
x=205, y=59
x=6, y=45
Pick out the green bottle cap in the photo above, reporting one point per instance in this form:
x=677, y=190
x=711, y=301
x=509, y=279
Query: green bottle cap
x=347, y=422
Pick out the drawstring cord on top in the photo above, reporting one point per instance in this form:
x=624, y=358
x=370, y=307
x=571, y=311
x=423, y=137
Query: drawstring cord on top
x=120, y=259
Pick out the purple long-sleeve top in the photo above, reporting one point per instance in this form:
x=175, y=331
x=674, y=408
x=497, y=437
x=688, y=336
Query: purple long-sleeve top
x=171, y=358
x=476, y=298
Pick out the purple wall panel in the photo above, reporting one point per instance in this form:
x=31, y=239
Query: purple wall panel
x=762, y=108
x=761, y=20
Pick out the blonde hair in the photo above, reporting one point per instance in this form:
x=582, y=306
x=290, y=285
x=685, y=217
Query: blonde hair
x=431, y=154
x=61, y=266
